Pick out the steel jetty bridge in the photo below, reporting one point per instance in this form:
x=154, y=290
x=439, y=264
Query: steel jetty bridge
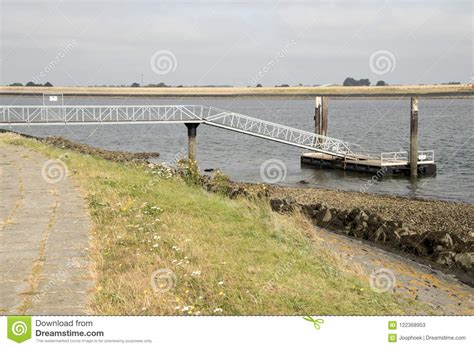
x=326, y=152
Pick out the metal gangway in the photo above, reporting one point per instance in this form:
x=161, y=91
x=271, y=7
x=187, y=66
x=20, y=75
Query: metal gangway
x=140, y=114
x=17, y=115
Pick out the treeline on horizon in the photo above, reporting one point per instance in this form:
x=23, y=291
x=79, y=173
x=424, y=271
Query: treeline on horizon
x=349, y=81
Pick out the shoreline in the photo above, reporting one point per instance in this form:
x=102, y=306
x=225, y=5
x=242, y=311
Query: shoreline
x=405, y=91
x=435, y=232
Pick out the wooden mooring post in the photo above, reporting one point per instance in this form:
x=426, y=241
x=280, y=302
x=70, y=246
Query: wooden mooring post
x=317, y=116
x=414, y=137
x=324, y=116
x=192, y=132
x=321, y=116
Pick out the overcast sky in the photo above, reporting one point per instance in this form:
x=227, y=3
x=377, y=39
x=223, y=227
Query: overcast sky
x=84, y=42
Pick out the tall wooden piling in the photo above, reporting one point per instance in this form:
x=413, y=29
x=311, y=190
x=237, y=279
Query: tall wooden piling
x=317, y=116
x=414, y=137
x=192, y=132
x=324, y=116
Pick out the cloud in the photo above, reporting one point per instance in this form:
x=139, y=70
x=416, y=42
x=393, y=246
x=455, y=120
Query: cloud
x=227, y=42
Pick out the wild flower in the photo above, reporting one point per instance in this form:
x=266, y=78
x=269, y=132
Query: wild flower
x=196, y=273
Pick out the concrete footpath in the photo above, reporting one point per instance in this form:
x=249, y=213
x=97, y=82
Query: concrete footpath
x=44, y=237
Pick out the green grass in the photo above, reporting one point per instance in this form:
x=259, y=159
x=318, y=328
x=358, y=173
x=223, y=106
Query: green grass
x=230, y=257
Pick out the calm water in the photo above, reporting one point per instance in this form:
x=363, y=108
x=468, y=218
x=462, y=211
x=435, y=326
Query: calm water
x=445, y=126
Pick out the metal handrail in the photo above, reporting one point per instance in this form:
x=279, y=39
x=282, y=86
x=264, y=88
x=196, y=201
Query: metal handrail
x=11, y=115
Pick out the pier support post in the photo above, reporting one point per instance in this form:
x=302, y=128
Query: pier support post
x=324, y=115
x=192, y=127
x=414, y=137
x=317, y=116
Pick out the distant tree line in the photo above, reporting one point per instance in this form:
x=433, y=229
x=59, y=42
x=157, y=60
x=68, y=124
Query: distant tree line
x=161, y=84
x=350, y=81
x=31, y=84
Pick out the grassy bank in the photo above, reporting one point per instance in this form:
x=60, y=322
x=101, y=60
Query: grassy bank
x=226, y=256
x=287, y=92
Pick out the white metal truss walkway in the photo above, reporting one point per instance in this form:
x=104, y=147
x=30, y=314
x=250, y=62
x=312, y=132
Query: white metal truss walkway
x=277, y=132
x=128, y=114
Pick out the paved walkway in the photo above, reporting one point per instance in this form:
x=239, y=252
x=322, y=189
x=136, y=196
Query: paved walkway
x=44, y=238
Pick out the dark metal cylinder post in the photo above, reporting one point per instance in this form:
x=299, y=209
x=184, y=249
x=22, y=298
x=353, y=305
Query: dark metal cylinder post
x=192, y=127
x=414, y=137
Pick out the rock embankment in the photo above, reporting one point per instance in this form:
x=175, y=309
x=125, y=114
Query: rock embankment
x=442, y=245
x=439, y=232
x=116, y=156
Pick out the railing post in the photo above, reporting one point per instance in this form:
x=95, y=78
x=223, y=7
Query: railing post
x=192, y=132
x=414, y=137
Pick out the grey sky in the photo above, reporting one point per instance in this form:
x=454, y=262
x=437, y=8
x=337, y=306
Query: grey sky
x=229, y=42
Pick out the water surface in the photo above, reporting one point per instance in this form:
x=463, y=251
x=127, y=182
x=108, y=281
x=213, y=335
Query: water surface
x=445, y=126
